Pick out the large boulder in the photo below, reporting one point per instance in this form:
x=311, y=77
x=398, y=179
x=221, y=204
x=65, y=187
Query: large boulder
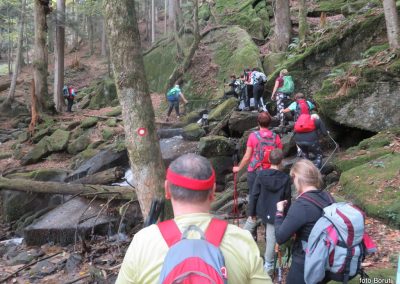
x=374, y=187
x=212, y=146
x=174, y=147
x=222, y=110
x=61, y=225
x=193, y=132
x=104, y=160
x=240, y=121
x=58, y=141
x=79, y=144
x=102, y=93
x=222, y=166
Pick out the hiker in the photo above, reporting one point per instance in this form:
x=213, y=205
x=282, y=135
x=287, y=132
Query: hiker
x=307, y=129
x=173, y=96
x=259, y=145
x=249, y=84
x=259, y=79
x=301, y=216
x=233, y=84
x=241, y=90
x=190, y=184
x=282, y=91
x=270, y=186
x=70, y=94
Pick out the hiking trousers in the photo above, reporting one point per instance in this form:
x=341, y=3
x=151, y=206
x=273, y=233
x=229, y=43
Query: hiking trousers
x=70, y=102
x=281, y=100
x=173, y=105
x=257, y=93
x=296, y=273
x=270, y=243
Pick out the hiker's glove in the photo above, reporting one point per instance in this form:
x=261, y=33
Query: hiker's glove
x=250, y=225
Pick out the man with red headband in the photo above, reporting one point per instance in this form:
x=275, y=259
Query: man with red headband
x=190, y=185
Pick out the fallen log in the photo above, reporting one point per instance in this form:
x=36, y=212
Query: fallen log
x=103, y=117
x=102, y=178
x=86, y=190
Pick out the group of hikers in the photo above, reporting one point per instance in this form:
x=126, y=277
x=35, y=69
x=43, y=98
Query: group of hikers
x=328, y=238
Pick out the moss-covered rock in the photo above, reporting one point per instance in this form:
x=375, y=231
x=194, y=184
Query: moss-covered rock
x=367, y=150
x=222, y=110
x=112, y=122
x=57, y=175
x=115, y=111
x=89, y=122
x=241, y=13
x=374, y=187
x=211, y=146
x=37, y=153
x=193, y=132
x=58, y=141
x=107, y=134
x=79, y=144
x=271, y=61
x=5, y=155
x=159, y=64
x=40, y=134
x=104, y=94
x=83, y=156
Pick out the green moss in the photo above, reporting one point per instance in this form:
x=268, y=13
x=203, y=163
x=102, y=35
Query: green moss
x=159, y=64
x=359, y=158
x=395, y=67
x=89, y=122
x=369, y=187
x=115, y=111
x=234, y=56
x=112, y=122
x=104, y=94
x=375, y=49
x=107, y=134
x=241, y=13
x=204, y=12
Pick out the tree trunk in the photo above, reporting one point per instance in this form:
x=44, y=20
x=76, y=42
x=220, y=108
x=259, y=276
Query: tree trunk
x=40, y=56
x=180, y=69
x=27, y=49
x=303, y=26
x=59, y=56
x=104, y=177
x=103, y=39
x=171, y=14
x=91, y=34
x=133, y=93
x=88, y=190
x=75, y=32
x=392, y=23
x=165, y=17
x=153, y=37
x=11, y=93
x=177, y=26
x=282, y=26
x=10, y=43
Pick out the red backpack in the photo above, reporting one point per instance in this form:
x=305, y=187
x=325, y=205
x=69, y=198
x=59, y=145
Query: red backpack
x=266, y=143
x=304, y=122
x=194, y=261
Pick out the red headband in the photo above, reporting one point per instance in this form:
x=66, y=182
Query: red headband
x=191, y=183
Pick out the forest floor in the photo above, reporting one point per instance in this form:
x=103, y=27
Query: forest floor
x=100, y=257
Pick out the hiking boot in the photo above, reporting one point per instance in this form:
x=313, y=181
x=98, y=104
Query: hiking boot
x=269, y=268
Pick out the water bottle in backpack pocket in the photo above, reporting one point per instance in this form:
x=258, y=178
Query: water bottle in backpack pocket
x=196, y=261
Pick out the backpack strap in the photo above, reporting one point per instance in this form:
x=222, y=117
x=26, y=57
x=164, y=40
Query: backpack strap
x=170, y=232
x=215, y=231
x=315, y=202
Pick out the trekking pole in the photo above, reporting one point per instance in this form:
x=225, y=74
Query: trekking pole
x=278, y=264
x=333, y=152
x=235, y=209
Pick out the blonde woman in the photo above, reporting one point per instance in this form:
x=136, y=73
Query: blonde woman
x=302, y=215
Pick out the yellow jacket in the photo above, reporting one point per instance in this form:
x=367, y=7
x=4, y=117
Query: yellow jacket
x=145, y=256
